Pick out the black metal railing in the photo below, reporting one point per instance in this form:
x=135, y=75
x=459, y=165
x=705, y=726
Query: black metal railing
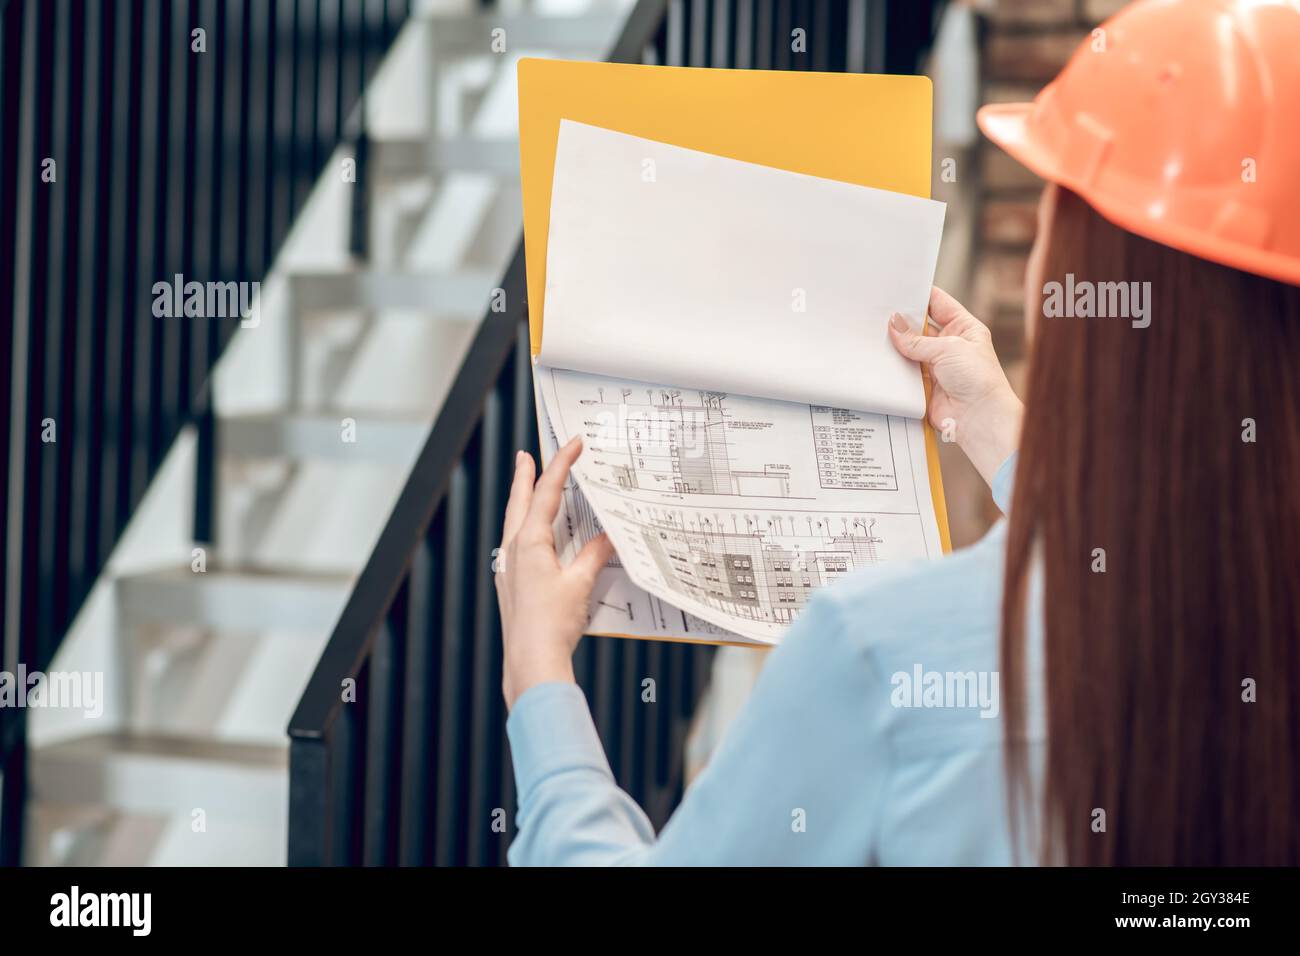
x=397, y=748
x=140, y=140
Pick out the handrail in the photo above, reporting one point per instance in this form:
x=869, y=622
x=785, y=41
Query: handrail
x=377, y=584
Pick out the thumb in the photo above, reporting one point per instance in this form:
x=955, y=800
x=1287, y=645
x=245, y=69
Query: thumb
x=594, y=555
x=918, y=348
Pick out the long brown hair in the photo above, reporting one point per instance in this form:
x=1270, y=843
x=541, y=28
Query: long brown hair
x=1169, y=456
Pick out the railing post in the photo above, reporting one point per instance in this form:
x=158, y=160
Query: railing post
x=359, y=226
x=308, y=801
x=205, y=473
x=13, y=789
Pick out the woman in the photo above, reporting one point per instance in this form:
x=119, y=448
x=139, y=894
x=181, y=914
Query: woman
x=1138, y=610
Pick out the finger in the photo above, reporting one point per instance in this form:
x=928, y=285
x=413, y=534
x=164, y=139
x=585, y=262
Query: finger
x=918, y=348
x=521, y=494
x=954, y=319
x=595, y=554
x=944, y=308
x=546, y=495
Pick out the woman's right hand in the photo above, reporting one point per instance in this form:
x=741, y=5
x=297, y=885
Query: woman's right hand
x=971, y=398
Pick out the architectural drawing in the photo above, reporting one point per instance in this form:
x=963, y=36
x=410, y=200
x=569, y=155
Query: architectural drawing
x=678, y=440
x=618, y=607
x=731, y=509
x=759, y=568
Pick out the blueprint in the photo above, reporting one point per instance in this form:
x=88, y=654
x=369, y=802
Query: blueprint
x=729, y=513
x=618, y=606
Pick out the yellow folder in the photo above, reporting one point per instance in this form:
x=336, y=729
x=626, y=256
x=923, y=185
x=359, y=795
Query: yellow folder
x=872, y=130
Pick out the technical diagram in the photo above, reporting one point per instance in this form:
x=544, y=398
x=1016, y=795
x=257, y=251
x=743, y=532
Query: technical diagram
x=735, y=510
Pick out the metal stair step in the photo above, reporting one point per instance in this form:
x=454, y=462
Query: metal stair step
x=415, y=156
x=588, y=32
x=160, y=774
x=233, y=600
x=317, y=436
x=464, y=293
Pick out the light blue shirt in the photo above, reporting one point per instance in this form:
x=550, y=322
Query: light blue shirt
x=840, y=756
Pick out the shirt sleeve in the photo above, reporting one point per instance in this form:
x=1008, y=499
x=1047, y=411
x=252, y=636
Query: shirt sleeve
x=1003, y=483
x=799, y=779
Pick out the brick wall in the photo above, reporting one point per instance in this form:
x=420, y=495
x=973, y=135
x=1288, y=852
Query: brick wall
x=1025, y=44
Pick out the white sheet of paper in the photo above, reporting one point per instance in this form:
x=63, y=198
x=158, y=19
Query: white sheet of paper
x=669, y=264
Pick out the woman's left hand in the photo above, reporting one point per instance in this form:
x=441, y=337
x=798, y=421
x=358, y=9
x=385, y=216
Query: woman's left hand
x=543, y=605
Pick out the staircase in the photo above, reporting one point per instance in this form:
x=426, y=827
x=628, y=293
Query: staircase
x=277, y=544
x=318, y=413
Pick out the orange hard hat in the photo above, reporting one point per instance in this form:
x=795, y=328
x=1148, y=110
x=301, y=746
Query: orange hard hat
x=1179, y=120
